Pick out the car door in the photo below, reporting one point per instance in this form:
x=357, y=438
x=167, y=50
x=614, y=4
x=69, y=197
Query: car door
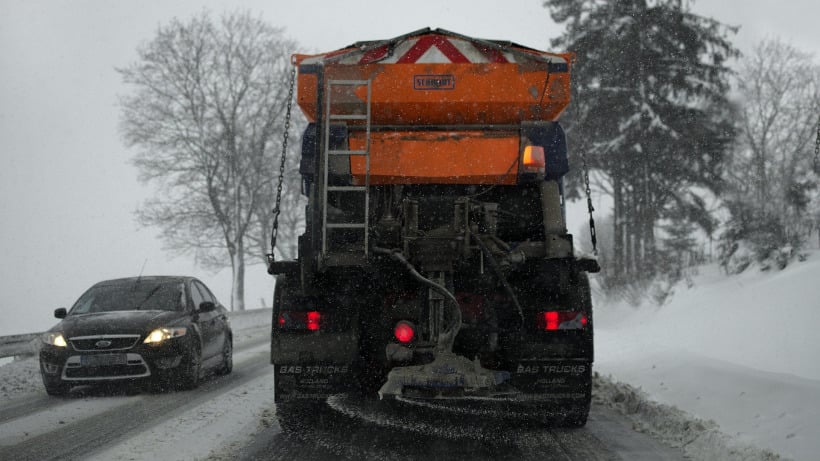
x=220, y=317
x=204, y=320
x=209, y=322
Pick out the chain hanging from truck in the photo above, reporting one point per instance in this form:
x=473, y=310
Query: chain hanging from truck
x=592, y=235
x=276, y=210
x=817, y=150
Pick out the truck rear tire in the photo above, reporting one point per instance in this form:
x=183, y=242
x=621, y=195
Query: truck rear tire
x=568, y=412
x=576, y=418
x=300, y=416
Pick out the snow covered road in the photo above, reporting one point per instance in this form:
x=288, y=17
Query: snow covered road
x=371, y=435
x=233, y=417
x=726, y=371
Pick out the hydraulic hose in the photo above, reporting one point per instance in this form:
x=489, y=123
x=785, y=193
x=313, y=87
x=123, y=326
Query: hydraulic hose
x=448, y=336
x=500, y=275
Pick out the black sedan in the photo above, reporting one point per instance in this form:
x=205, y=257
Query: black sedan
x=162, y=330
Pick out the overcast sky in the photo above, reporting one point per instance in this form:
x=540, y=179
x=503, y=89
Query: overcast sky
x=67, y=189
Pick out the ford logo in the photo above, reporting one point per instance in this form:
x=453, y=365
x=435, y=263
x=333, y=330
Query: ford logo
x=103, y=343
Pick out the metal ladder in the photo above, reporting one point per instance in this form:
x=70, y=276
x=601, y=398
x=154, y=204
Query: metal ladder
x=345, y=256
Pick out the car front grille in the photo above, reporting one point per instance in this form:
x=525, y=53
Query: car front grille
x=104, y=342
x=109, y=372
x=105, y=367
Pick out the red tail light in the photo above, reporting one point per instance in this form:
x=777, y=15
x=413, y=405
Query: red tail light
x=404, y=332
x=313, y=318
x=561, y=320
x=299, y=320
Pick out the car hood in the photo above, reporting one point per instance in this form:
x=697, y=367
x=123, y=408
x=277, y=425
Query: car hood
x=120, y=322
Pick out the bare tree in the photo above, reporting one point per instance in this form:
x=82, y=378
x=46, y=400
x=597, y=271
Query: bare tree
x=773, y=187
x=207, y=104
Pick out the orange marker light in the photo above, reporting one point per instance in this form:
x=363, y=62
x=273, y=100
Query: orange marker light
x=533, y=159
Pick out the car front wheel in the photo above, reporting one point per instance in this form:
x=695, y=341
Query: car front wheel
x=227, y=357
x=191, y=368
x=56, y=387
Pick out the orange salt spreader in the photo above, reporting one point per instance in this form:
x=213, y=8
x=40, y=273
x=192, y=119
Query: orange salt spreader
x=443, y=108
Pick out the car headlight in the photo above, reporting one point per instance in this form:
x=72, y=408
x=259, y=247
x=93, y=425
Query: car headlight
x=161, y=334
x=54, y=339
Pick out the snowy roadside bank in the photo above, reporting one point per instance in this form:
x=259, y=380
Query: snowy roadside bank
x=736, y=354
x=699, y=439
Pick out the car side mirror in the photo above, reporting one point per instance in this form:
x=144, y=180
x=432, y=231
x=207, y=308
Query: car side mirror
x=60, y=313
x=206, y=306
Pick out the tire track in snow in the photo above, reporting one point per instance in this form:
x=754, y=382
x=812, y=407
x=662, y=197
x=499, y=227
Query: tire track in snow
x=355, y=429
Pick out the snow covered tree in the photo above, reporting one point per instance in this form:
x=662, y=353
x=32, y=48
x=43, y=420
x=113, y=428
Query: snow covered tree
x=206, y=110
x=649, y=111
x=772, y=190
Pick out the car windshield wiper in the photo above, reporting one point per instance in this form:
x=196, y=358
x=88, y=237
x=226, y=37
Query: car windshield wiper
x=147, y=297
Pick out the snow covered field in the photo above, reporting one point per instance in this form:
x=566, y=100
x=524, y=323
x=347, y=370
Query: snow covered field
x=741, y=351
x=726, y=370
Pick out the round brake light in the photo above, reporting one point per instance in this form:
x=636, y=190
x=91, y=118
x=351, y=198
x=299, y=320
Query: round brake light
x=404, y=331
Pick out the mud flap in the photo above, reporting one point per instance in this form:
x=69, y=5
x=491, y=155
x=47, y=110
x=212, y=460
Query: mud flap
x=561, y=389
x=552, y=379
x=310, y=381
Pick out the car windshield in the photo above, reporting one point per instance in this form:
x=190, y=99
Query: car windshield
x=138, y=295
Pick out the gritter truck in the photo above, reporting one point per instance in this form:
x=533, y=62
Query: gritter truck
x=435, y=261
